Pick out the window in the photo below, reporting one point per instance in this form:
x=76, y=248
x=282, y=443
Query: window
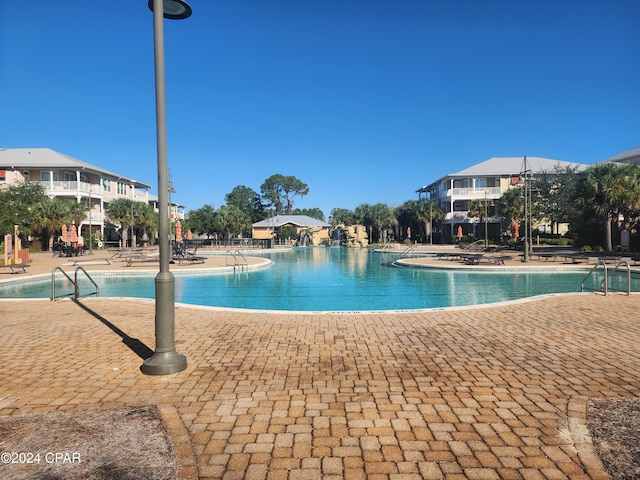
x=461, y=206
x=106, y=184
x=69, y=177
x=46, y=176
x=122, y=188
x=481, y=183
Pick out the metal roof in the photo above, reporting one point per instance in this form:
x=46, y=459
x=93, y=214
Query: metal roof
x=506, y=166
x=299, y=220
x=628, y=156
x=18, y=158
x=500, y=166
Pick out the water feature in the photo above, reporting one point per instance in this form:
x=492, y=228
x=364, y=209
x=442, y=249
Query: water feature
x=336, y=237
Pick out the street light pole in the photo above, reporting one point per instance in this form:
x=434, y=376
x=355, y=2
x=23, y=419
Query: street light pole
x=165, y=359
x=430, y=222
x=486, y=214
x=527, y=239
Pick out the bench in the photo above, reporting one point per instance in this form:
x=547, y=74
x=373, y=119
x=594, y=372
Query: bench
x=16, y=267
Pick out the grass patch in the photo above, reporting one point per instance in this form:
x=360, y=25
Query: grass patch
x=614, y=425
x=99, y=444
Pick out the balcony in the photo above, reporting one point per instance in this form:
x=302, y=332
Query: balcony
x=71, y=188
x=97, y=218
x=471, y=193
x=463, y=217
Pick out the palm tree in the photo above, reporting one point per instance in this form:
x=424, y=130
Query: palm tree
x=382, y=219
x=145, y=220
x=609, y=189
x=426, y=212
x=119, y=212
x=48, y=216
x=363, y=214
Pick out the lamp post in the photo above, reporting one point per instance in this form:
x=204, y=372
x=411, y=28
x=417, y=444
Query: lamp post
x=165, y=359
x=430, y=222
x=486, y=214
x=527, y=213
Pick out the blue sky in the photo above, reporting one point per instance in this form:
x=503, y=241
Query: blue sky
x=363, y=100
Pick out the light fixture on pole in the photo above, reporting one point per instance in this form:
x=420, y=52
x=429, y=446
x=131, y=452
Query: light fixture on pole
x=165, y=359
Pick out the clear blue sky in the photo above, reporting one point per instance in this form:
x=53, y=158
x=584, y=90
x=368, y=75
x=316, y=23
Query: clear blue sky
x=363, y=100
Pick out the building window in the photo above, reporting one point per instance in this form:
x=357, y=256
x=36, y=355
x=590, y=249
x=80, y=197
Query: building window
x=481, y=183
x=461, y=206
x=122, y=188
x=106, y=184
x=46, y=176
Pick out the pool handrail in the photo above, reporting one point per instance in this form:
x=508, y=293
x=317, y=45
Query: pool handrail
x=76, y=288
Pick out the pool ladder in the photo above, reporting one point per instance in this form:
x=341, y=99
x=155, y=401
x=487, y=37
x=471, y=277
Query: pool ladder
x=74, y=281
x=236, y=259
x=622, y=266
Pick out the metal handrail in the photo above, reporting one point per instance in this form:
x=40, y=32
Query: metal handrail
x=236, y=256
x=405, y=253
x=97, y=291
x=628, y=270
x=604, y=285
x=76, y=288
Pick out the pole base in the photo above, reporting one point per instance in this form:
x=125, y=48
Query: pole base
x=164, y=363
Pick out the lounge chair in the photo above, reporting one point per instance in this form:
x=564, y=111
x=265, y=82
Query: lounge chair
x=16, y=267
x=182, y=255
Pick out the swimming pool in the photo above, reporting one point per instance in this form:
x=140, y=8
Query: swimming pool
x=329, y=279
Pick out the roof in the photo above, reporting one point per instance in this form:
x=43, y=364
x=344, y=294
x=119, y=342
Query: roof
x=17, y=158
x=628, y=156
x=515, y=166
x=504, y=166
x=298, y=220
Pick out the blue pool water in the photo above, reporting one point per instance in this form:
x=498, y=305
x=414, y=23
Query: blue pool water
x=330, y=279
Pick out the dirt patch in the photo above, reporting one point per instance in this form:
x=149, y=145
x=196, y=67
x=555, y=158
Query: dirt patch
x=100, y=444
x=614, y=425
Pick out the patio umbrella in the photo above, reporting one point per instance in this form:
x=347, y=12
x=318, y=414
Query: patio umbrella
x=189, y=235
x=65, y=234
x=74, y=234
x=178, y=232
x=459, y=232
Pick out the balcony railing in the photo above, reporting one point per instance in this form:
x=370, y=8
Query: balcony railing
x=463, y=216
x=474, y=193
x=72, y=187
x=96, y=218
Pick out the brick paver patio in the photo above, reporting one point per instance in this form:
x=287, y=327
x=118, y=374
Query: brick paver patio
x=472, y=393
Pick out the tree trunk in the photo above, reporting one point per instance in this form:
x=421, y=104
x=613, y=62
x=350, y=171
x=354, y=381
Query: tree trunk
x=607, y=232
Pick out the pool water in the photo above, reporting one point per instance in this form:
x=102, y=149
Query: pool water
x=329, y=279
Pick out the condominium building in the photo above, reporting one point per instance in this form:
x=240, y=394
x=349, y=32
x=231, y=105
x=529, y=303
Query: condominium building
x=486, y=181
x=65, y=177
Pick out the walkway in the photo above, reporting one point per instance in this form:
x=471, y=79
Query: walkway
x=486, y=393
